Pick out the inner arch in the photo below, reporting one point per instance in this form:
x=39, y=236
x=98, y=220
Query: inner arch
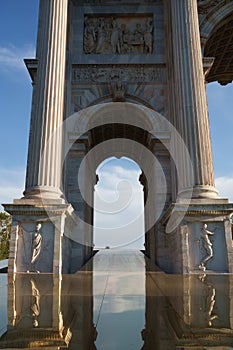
x=118, y=204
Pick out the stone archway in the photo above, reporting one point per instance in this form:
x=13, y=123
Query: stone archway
x=217, y=39
x=122, y=129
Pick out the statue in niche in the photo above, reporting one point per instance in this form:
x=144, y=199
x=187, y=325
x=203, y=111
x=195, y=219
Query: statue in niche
x=207, y=246
x=36, y=246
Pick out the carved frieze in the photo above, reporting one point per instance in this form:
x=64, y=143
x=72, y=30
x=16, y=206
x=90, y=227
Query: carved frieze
x=118, y=34
x=123, y=73
x=104, y=2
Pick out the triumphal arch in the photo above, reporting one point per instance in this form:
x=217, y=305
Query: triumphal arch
x=119, y=79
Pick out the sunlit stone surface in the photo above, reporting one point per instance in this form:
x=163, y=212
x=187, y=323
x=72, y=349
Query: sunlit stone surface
x=133, y=72
x=119, y=300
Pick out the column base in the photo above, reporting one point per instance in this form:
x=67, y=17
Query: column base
x=45, y=194
x=199, y=191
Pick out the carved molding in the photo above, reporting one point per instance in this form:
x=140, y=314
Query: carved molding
x=123, y=73
x=104, y=2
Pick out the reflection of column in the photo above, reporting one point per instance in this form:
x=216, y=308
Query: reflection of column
x=143, y=182
x=15, y=231
x=44, y=168
x=58, y=237
x=189, y=95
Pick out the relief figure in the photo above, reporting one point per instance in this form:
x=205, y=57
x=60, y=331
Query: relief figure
x=36, y=246
x=207, y=246
x=115, y=37
x=111, y=35
x=89, y=36
x=148, y=36
x=101, y=36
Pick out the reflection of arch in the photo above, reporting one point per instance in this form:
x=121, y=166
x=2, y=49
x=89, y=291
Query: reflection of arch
x=217, y=39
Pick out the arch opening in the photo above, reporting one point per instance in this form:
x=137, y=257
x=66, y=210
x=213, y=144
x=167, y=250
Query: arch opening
x=119, y=205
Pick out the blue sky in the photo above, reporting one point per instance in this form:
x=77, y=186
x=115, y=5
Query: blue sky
x=18, y=26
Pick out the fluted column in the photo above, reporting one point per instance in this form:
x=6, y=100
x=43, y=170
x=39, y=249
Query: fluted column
x=189, y=104
x=45, y=142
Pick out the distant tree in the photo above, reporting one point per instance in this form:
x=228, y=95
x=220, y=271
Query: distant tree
x=5, y=230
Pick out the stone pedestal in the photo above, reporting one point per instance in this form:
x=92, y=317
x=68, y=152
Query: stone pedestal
x=57, y=245
x=188, y=245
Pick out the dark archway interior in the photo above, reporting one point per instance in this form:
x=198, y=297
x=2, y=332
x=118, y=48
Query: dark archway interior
x=220, y=46
x=118, y=130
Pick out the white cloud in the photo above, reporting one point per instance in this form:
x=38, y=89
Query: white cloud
x=11, y=57
x=119, y=217
x=225, y=187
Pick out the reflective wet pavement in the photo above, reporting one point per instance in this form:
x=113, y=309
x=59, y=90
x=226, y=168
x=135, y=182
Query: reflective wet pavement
x=118, y=301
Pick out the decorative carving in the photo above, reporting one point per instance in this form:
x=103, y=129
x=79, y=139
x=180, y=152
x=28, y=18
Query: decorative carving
x=209, y=301
x=119, y=90
x=35, y=305
x=123, y=73
x=118, y=35
x=207, y=245
x=36, y=243
x=80, y=2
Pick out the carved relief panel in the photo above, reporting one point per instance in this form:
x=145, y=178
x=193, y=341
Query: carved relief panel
x=118, y=34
